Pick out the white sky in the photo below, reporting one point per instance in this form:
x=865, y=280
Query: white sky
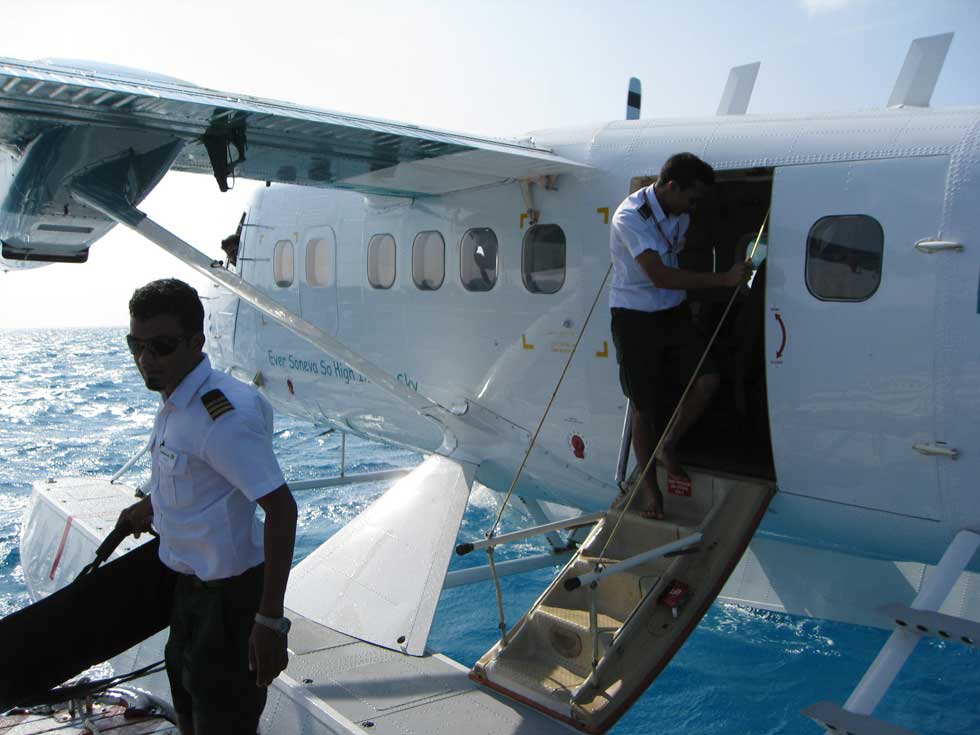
x=493, y=67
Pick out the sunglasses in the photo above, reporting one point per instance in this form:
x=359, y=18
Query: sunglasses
x=157, y=346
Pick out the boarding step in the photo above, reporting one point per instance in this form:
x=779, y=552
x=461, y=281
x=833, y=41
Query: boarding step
x=559, y=629
x=837, y=719
x=937, y=625
x=912, y=623
x=614, y=617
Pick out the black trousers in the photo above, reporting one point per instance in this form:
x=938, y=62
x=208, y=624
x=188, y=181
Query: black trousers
x=657, y=352
x=207, y=653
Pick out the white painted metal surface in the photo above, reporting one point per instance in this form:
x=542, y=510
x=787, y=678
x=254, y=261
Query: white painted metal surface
x=892, y=657
x=503, y=345
x=849, y=393
x=810, y=582
x=920, y=72
x=738, y=89
x=379, y=578
x=830, y=714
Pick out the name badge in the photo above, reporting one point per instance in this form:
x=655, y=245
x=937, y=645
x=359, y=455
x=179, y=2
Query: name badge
x=168, y=458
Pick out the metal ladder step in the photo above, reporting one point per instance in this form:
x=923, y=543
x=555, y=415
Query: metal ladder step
x=934, y=624
x=911, y=624
x=841, y=722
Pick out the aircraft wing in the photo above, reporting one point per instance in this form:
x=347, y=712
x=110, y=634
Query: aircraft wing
x=280, y=141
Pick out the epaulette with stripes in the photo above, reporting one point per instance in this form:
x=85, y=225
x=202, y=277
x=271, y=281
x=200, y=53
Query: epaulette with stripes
x=216, y=404
x=645, y=211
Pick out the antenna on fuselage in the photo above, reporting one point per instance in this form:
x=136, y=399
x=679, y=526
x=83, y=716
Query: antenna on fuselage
x=920, y=72
x=738, y=90
x=633, y=98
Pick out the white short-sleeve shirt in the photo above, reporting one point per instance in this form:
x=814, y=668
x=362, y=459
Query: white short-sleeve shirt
x=635, y=229
x=212, y=460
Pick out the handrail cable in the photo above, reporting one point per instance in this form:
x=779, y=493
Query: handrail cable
x=530, y=446
x=554, y=394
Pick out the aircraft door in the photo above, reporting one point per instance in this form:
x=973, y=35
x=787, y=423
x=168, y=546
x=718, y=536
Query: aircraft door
x=850, y=332
x=317, y=276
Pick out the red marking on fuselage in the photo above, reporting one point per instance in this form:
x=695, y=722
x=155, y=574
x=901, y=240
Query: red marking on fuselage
x=782, y=345
x=61, y=547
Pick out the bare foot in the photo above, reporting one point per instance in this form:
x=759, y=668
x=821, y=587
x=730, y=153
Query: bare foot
x=652, y=513
x=651, y=503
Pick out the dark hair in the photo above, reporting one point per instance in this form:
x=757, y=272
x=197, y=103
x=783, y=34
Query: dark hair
x=685, y=169
x=169, y=296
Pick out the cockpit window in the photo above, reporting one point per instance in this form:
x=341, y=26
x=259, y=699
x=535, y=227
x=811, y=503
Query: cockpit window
x=381, y=261
x=843, y=257
x=478, y=259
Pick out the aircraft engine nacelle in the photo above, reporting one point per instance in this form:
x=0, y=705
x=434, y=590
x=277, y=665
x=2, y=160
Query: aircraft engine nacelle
x=40, y=221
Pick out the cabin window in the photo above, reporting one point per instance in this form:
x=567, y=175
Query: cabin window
x=319, y=261
x=429, y=260
x=543, y=260
x=282, y=263
x=381, y=261
x=843, y=257
x=478, y=259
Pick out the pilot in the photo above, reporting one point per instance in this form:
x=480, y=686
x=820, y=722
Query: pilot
x=657, y=344
x=212, y=464
x=230, y=246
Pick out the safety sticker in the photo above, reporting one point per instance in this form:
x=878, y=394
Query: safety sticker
x=679, y=485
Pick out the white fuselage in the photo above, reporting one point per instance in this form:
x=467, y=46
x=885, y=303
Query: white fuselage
x=851, y=385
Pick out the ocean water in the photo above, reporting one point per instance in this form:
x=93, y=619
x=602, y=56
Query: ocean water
x=71, y=403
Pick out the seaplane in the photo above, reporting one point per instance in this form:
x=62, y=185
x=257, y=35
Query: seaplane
x=447, y=293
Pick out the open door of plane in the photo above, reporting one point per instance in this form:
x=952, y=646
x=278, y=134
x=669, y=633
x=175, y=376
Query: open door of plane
x=850, y=331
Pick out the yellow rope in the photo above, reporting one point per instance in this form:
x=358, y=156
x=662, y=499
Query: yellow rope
x=513, y=484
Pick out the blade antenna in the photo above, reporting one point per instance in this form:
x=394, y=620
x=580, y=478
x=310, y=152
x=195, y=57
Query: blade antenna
x=633, y=98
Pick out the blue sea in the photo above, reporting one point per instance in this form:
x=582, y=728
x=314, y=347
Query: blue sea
x=71, y=403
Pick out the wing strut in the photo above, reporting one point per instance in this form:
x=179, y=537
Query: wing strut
x=117, y=207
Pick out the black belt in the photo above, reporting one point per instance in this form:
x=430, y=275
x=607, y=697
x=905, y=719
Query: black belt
x=197, y=583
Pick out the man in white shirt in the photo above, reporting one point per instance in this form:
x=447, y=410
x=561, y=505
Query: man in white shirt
x=657, y=344
x=212, y=464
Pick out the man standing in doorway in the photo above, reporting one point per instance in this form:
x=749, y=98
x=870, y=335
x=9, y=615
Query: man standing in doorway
x=657, y=344
x=212, y=463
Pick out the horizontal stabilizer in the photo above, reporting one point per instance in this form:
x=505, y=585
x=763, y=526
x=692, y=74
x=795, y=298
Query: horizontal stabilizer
x=378, y=579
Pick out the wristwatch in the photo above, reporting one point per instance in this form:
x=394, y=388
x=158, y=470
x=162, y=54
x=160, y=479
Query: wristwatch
x=280, y=625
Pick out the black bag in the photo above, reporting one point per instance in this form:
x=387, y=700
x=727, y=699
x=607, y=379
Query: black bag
x=101, y=614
